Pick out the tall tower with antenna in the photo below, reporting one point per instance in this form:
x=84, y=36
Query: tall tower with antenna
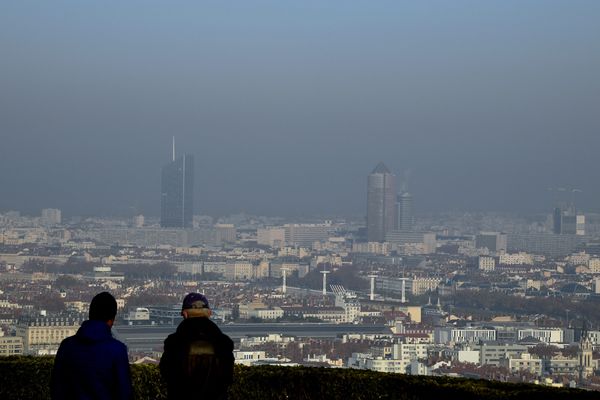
x=177, y=191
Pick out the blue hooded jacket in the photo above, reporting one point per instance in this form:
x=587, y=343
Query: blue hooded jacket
x=91, y=365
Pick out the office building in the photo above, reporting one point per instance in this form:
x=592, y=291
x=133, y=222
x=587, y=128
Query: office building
x=491, y=353
x=427, y=240
x=545, y=244
x=273, y=237
x=493, y=241
x=381, y=203
x=304, y=235
x=51, y=216
x=177, y=193
x=543, y=335
x=566, y=221
x=464, y=335
x=404, y=210
x=225, y=233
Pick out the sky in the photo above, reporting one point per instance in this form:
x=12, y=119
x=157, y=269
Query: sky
x=288, y=105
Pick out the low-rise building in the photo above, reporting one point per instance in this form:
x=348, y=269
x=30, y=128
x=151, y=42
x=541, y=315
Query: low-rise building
x=493, y=354
x=486, y=263
x=545, y=335
x=423, y=285
x=526, y=362
x=42, y=335
x=11, y=345
x=248, y=357
x=259, y=310
x=336, y=315
x=560, y=365
x=516, y=259
x=367, y=361
x=266, y=313
x=464, y=335
x=249, y=342
x=408, y=351
x=594, y=265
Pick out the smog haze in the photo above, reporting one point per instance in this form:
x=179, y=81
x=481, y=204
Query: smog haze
x=287, y=106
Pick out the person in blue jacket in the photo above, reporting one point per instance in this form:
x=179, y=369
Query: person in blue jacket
x=92, y=364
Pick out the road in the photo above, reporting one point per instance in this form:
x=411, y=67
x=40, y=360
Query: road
x=144, y=337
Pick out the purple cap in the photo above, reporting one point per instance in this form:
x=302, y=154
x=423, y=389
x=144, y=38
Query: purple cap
x=194, y=300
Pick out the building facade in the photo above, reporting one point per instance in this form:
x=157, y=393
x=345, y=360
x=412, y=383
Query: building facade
x=11, y=346
x=495, y=242
x=381, y=203
x=272, y=237
x=405, y=212
x=42, y=335
x=51, y=216
x=306, y=234
x=177, y=193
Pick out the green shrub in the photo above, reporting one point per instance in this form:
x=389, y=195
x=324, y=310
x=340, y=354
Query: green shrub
x=29, y=377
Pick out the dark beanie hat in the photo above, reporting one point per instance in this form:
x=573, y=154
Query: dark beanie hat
x=103, y=307
x=194, y=300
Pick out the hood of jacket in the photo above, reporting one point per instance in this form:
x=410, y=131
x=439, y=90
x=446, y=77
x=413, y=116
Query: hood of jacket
x=94, y=331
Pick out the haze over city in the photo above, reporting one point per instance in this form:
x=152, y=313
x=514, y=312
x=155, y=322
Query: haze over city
x=220, y=190
x=287, y=107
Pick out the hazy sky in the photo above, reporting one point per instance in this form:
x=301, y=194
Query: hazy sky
x=288, y=105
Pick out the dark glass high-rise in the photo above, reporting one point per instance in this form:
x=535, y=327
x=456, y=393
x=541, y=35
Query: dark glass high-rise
x=177, y=193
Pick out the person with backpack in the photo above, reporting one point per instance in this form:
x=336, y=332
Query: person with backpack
x=197, y=360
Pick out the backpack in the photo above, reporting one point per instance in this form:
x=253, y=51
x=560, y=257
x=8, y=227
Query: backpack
x=209, y=371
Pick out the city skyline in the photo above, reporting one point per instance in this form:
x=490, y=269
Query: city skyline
x=286, y=202
x=286, y=105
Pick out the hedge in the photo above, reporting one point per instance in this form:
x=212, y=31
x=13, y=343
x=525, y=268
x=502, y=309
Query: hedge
x=28, y=378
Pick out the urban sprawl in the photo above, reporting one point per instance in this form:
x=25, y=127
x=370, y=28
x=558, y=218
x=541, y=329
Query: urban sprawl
x=483, y=295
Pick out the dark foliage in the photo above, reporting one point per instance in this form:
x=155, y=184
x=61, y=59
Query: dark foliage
x=72, y=266
x=68, y=282
x=495, y=302
x=160, y=270
x=29, y=377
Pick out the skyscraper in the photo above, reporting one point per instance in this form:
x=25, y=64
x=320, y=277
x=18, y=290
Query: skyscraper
x=177, y=192
x=381, y=203
x=405, y=212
